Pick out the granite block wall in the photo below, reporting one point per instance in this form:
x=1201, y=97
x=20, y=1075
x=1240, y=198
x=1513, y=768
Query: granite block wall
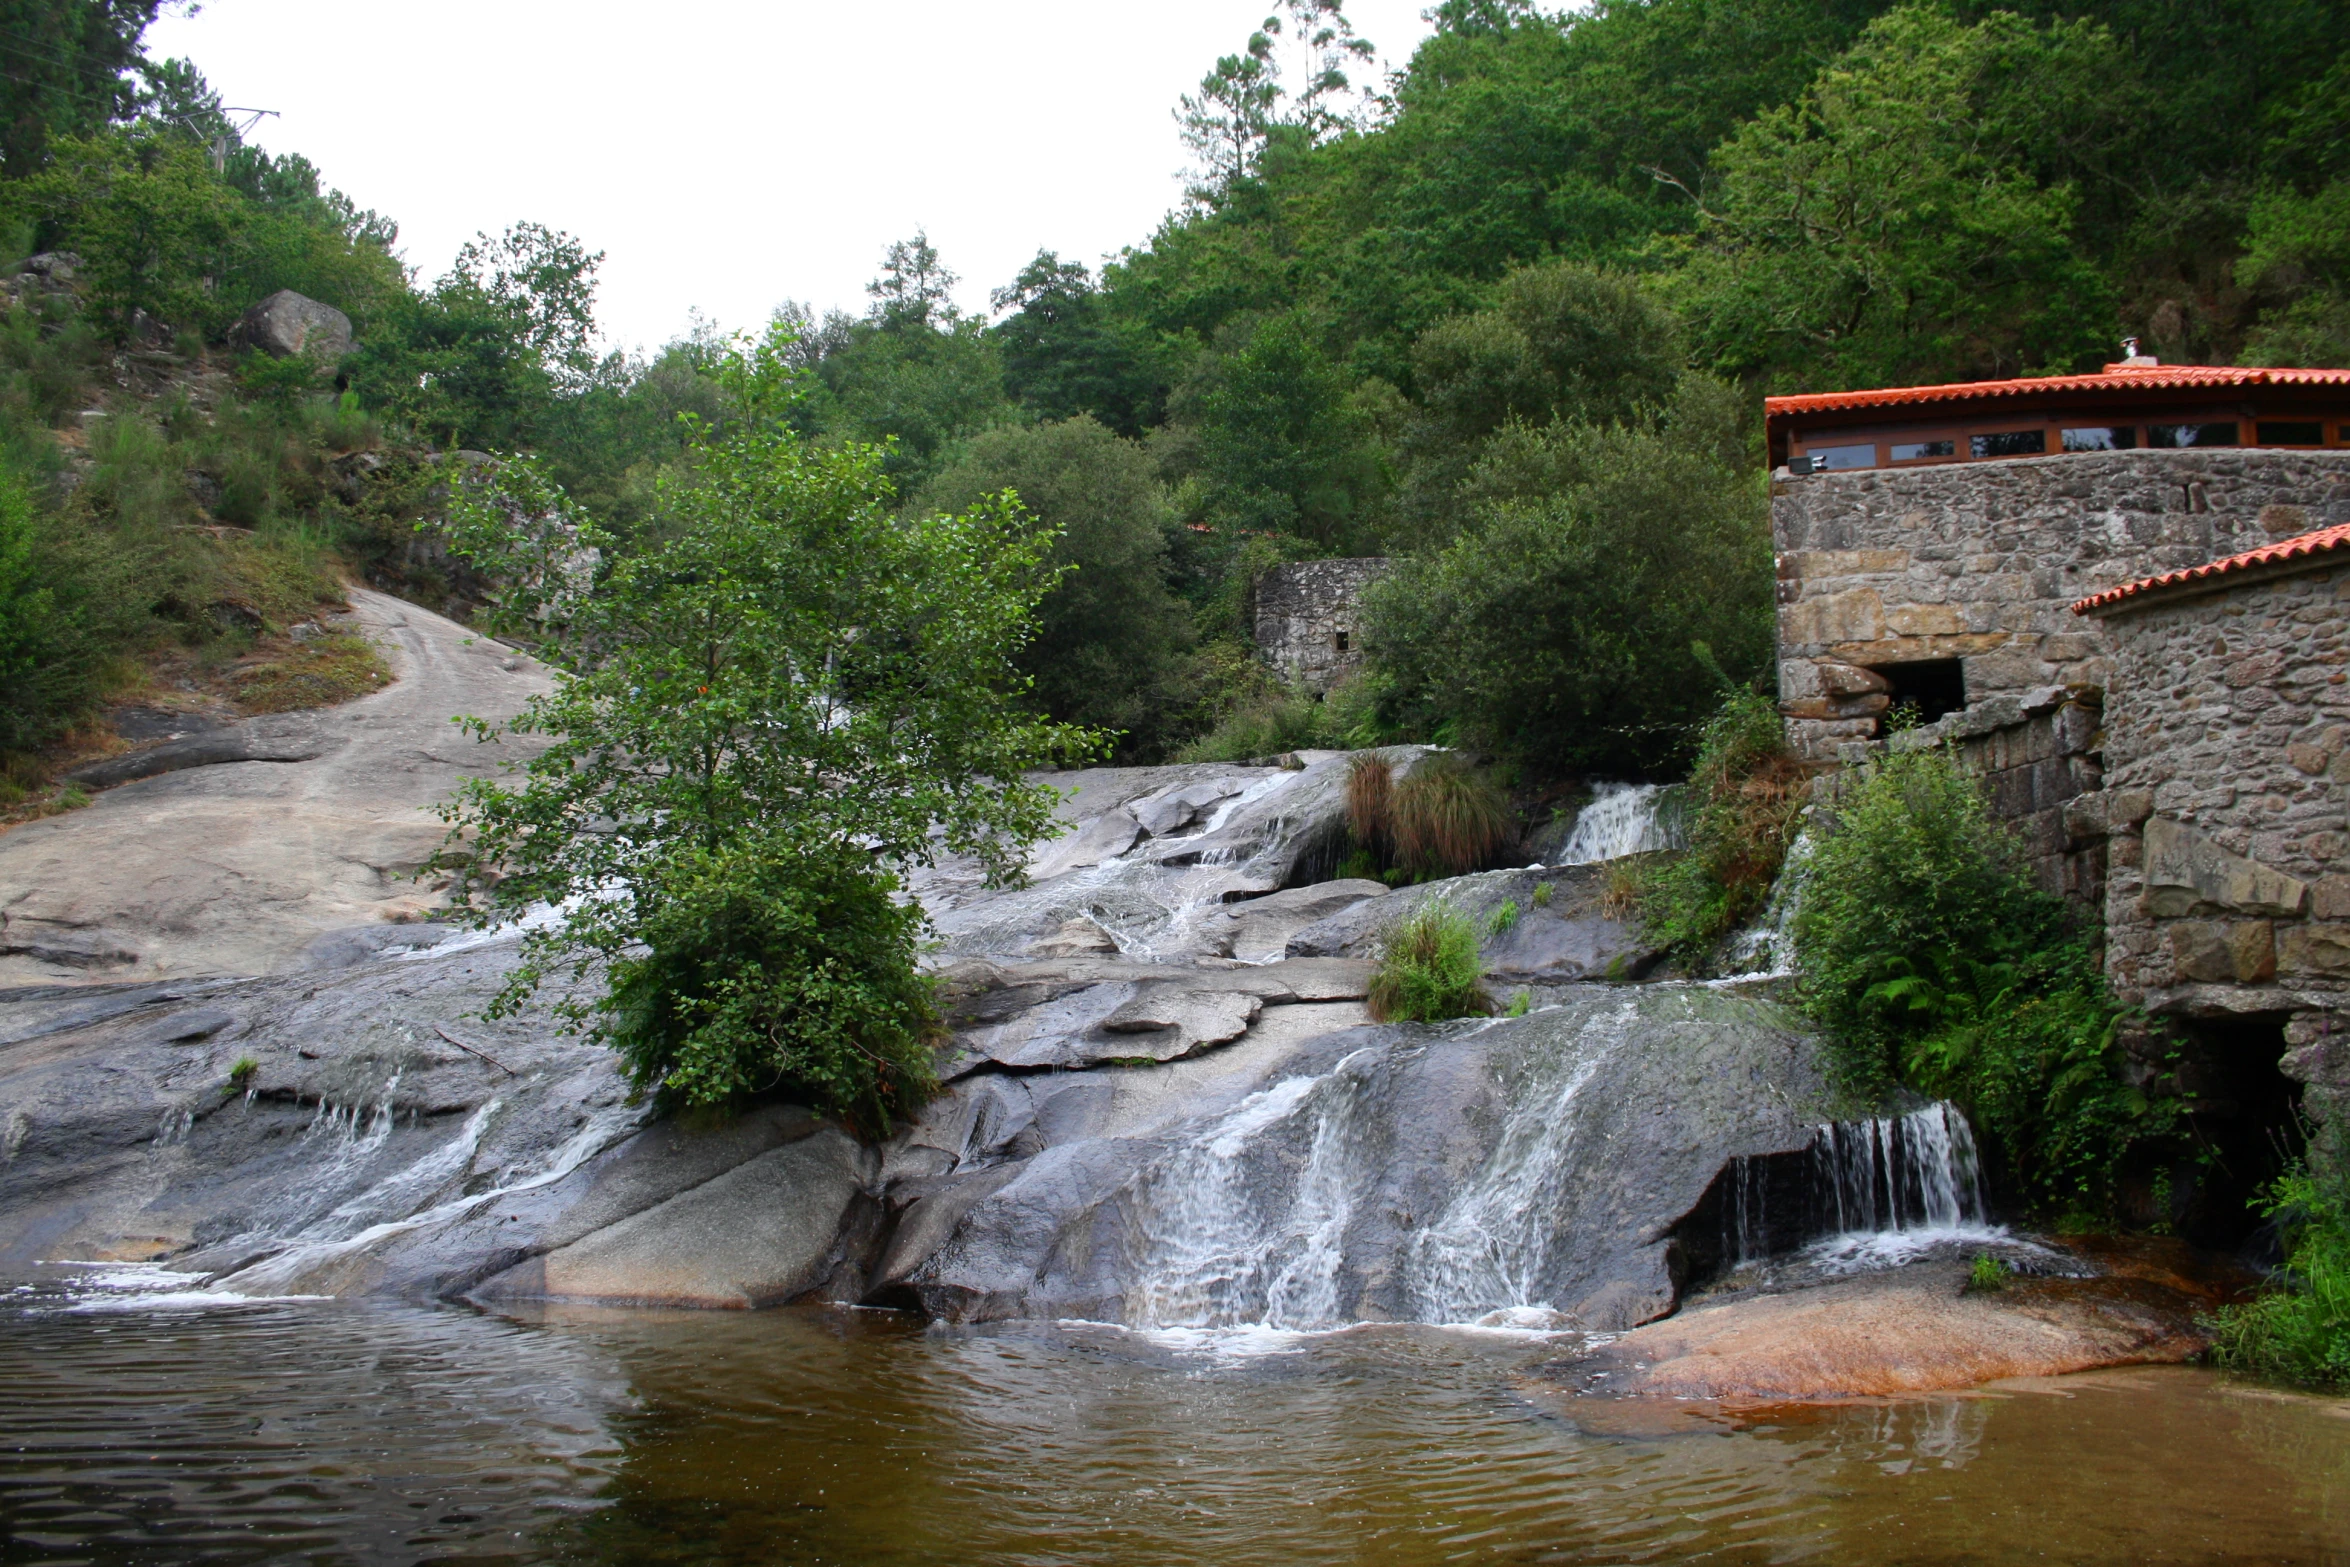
x=1981, y=561
x=1306, y=624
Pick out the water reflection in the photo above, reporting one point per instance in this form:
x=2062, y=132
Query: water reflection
x=322, y=1432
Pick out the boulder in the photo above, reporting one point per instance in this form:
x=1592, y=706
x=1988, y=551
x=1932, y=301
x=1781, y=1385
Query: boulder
x=1911, y=1330
x=763, y=1233
x=1568, y=935
x=287, y=323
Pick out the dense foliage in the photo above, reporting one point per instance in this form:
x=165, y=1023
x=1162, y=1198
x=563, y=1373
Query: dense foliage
x=760, y=719
x=2298, y=1329
x=1931, y=960
x=1737, y=816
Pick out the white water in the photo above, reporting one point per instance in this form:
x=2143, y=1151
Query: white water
x=1621, y=819
x=1487, y=1253
x=1878, y=1193
x=1226, y=1240
x=1766, y=949
x=1244, y=1227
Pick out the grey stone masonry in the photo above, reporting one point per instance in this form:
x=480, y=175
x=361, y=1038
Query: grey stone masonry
x=2036, y=754
x=2227, y=770
x=1981, y=561
x=1306, y=623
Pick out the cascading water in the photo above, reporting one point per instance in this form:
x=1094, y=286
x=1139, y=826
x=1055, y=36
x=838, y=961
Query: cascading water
x=1621, y=819
x=1889, y=1186
x=1766, y=949
x=1229, y=1237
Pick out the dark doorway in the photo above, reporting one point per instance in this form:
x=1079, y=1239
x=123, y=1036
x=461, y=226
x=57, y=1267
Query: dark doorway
x=2243, y=1126
x=1928, y=689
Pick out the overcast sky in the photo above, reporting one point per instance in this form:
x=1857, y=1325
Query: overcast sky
x=726, y=155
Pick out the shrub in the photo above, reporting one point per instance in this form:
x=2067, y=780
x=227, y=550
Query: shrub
x=1429, y=969
x=777, y=973
x=1448, y=818
x=1602, y=578
x=1930, y=959
x=1739, y=811
x=2298, y=1330
x=1370, y=802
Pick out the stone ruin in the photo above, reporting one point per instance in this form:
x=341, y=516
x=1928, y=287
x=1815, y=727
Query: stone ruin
x=1306, y=625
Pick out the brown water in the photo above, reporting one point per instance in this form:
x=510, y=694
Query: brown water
x=323, y=1432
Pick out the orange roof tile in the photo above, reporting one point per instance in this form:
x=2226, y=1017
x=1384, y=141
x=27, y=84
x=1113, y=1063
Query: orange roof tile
x=2323, y=542
x=2136, y=378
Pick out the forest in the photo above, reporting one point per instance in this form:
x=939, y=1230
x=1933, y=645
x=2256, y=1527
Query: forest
x=1504, y=316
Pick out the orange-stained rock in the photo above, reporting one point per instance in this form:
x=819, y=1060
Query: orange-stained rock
x=1915, y=1330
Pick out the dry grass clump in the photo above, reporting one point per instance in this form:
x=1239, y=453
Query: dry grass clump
x=1447, y=818
x=1370, y=801
x=318, y=673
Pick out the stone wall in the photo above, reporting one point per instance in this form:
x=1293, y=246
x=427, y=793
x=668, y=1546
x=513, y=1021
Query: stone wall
x=2037, y=755
x=2227, y=753
x=1981, y=561
x=1306, y=625
x=2227, y=767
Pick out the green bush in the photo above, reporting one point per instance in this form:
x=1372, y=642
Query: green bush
x=1739, y=812
x=1603, y=579
x=1448, y=818
x=777, y=974
x=2298, y=1330
x=1930, y=959
x=1429, y=969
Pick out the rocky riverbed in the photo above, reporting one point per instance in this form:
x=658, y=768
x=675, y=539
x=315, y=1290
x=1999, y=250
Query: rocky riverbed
x=1165, y=1106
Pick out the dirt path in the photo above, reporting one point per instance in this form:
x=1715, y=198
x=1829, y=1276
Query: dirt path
x=236, y=868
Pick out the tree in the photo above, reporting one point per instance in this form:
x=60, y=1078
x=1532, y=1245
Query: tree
x=1561, y=342
x=915, y=288
x=65, y=63
x=1887, y=227
x=1065, y=355
x=1273, y=437
x=759, y=723
x=1225, y=125
x=1609, y=581
x=1110, y=637
x=544, y=281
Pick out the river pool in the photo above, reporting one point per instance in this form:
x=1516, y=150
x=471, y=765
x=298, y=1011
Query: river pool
x=138, y=1427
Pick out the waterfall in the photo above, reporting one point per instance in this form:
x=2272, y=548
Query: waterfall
x=1229, y=1237
x=1915, y=1178
x=1766, y=949
x=1621, y=819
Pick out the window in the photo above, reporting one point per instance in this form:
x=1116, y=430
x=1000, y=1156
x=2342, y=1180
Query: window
x=1929, y=688
x=1827, y=459
x=1341, y=639
x=2009, y=443
x=2101, y=438
x=2288, y=433
x=2182, y=435
x=1917, y=451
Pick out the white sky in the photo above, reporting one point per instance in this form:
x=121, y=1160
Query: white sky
x=728, y=154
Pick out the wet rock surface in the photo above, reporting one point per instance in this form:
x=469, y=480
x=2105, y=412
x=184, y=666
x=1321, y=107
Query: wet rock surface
x=1911, y=1329
x=1165, y=1104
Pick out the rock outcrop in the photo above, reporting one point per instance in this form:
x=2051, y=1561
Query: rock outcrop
x=287, y=323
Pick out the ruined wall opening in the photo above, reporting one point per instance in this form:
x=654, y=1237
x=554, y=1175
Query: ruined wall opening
x=2243, y=1128
x=1930, y=688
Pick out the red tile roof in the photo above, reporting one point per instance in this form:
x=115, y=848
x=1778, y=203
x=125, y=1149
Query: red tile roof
x=2136, y=378
x=2324, y=541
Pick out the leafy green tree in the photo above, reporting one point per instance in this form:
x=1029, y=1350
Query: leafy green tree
x=1887, y=227
x=1271, y=436
x=915, y=289
x=1111, y=638
x=71, y=599
x=1562, y=341
x=152, y=223
x=2298, y=261
x=1065, y=355
x=66, y=63
x=1608, y=582
x=759, y=722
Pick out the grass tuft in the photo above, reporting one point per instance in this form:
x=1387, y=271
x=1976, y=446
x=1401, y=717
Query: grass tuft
x=1429, y=969
x=1448, y=818
x=317, y=673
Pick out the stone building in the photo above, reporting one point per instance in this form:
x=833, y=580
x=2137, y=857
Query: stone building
x=1306, y=626
x=2226, y=782
x=1924, y=556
